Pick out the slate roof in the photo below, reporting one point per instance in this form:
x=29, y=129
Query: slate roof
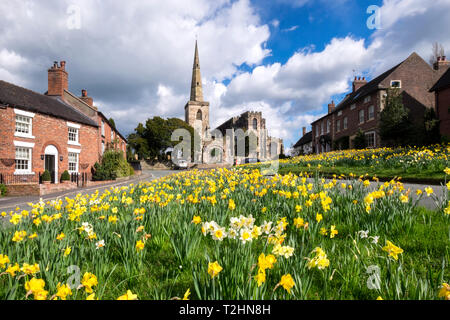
x=28, y=100
x=365, y=90
x=443, y=82
x=307, y=138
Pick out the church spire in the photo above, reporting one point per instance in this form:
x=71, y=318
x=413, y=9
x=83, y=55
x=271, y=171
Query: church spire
x=196, y=85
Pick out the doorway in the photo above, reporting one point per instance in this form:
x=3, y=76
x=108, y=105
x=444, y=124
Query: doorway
x=51, y=162
x=50, y=165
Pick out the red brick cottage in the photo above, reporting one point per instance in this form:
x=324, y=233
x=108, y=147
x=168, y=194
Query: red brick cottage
x=361, y=108
x=55, y=131
x=442, y=93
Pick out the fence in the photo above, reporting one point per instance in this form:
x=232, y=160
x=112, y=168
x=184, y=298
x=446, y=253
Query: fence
x=80, y=179
x=11, y=178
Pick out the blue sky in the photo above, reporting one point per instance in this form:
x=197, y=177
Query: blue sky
x=285, y=58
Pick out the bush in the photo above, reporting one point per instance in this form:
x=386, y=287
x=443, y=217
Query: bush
x=113, y=165
x=360, y=140
x=3, y=190
x=65, y=176
x=102, y=172
x=46, y=176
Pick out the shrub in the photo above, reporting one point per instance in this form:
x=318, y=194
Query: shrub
x=113, y=165
x=360, y=140
x=46, y=176
x=65, y=176
x=3, y=190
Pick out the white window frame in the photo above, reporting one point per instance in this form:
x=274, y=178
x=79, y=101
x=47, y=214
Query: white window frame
x=345, y=123
x=28, y=146
x=103, y=147
x=322, y=128
x=374, y=138
x=77, y=162
x=328, y=126
x=338, y=126
x=359, y=116
x=340, y=113
x=28, y=115
x=399, y=81
x=103, y=128
x=353, y=106
x=76, y=127
x=370, y=115
x=367, y=99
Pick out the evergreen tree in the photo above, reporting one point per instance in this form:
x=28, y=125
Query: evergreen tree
x=395, y=127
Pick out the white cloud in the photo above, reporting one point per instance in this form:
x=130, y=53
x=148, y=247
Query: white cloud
x=136, y=56
x=293, y=28
x=136, y=59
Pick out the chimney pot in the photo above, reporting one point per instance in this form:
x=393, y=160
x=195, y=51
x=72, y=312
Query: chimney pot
x=304, y=131
x=83, y=93
x=444, y=58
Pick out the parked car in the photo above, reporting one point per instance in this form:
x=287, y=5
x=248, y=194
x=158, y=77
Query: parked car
x=251, y=160
x=182, y=164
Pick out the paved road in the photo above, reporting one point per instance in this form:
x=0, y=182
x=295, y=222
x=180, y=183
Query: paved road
x=10, y=203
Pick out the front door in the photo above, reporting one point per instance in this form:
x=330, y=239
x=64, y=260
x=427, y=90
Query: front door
x=50, y=165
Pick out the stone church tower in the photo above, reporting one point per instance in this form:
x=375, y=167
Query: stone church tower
x=197, y=110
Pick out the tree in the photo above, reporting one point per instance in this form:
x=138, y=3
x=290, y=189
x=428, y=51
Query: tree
x=431, y=127
x=153, y=139
x=437, y=51
x=360, y=141
x=112, y=123
x=395, y=127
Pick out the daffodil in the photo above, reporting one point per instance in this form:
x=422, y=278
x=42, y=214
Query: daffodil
x=287, y=282
x=140, y=245
x=393, y=250
x=214, y=269
x=128, y=296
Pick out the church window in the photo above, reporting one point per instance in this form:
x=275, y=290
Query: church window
x=199, y=115
x=255, y=124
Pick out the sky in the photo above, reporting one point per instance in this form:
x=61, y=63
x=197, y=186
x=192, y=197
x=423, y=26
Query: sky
x=285, y=58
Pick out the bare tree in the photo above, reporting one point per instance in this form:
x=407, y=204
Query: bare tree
x=437, y=51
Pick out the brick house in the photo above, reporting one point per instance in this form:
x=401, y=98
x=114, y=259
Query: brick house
x=304, y=145
x=361, y=108
x=442, y=94
x=55, y=131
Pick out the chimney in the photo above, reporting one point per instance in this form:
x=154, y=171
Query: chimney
x=358, y=83
x=304, y=131
x=442, y=63
x=86, y=99
x=58, y=79
x=331, y=107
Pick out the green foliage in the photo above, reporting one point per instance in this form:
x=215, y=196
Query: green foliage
x=360, y=140
x=65, y=176
x=113, y=165
x=112, y=123
x=395, y=127
x=431, y=127
x=3, y=190
x=46, y=176
x=151, y=140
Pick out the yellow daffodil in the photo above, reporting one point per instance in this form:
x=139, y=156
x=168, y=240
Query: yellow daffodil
x=214, y=269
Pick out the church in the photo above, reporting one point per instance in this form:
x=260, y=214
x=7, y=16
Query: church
x=241, y=137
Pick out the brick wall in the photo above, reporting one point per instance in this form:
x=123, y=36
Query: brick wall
x=47, y=131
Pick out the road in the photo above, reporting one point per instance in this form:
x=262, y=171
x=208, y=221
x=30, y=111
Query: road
x=10, y=203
